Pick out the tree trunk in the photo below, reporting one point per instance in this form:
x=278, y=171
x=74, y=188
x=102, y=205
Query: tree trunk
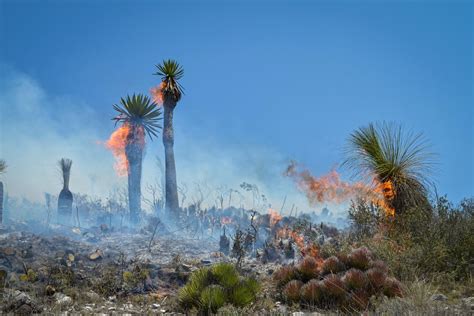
x=65, y=204
x=1, y=202
x=171, y=199
x=134, y=152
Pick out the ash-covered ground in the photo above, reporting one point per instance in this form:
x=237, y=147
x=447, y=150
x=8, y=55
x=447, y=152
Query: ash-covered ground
x=107, y=269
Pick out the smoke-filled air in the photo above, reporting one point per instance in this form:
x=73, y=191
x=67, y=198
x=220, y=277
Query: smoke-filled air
x=237, y=158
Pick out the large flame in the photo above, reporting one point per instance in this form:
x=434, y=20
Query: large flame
x=275, y=217
x=157, y=93
x=330, y=188
x=118, y=142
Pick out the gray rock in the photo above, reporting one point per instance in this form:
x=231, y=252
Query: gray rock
x=439, y=297
x=62, y=300
x=20, y=303
x=469, y=302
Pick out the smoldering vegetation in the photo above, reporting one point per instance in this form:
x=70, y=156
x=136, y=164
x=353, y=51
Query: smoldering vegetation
x=166, y=240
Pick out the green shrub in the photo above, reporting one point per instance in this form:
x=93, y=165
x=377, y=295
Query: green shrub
x=210, y=288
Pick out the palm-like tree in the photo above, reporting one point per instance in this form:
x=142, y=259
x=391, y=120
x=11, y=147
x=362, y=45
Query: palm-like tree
x=139, y=114
x=170, y=72
x=3, y=167
x=399, y=161
x=65, y=196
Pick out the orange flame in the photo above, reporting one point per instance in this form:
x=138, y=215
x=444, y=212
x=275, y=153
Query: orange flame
x=118, y=142
x=289, y=233
x=274, y=217
x=157, y=93
x=330, y=188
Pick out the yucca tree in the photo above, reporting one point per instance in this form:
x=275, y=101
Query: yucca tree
x=65, y=196
x=399, y=161
x=170, y=72
x=140, y=115
x=3, y=167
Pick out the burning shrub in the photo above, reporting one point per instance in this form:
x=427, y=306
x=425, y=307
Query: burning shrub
x=355, y=279
x=291, y=292
x=360, y=258
x=312, y=292
x=308, y=268
x=208, y=289
x=392, y=288
x=332, y=265
x=284, y=275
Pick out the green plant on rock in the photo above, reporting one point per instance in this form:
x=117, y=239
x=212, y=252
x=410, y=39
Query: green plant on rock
x=210, y=288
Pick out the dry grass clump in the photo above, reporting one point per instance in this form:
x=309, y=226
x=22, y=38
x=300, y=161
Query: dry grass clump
x=346, y=282
x=292, y=291
x=332, y=265
x=308, y=268
x=312, y=292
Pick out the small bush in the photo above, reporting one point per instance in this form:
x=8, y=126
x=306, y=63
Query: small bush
x=284, y=275
x=312, y=292
x=376, y=278
x=210, y=288
x=340, y=284
x=360, y=258
x=308, y=268
x=334, y=286
x=392, y=288
x=332, y=265
x=355, y=279
x=292, y=291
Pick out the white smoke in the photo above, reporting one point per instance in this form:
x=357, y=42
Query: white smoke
x=38, y=128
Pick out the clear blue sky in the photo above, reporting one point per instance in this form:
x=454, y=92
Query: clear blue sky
x=296, y=77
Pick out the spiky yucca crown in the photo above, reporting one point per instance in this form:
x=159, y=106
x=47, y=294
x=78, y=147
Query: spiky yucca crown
x=140, y=110
x=170, y=72
x=65, y=165
x=392, y=155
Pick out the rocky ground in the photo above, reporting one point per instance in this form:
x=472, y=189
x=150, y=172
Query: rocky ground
x=99, y=270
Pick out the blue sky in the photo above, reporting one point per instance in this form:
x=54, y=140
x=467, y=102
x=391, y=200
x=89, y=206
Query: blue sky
x=293, y=78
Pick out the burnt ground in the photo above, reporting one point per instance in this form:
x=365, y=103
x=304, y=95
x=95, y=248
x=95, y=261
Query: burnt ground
x=59, y=269
x=65, y=269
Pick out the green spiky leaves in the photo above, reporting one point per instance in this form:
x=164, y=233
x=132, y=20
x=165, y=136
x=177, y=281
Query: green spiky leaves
x=390, y=154
x=208, y=289
x=170, y=72
x=140, y=110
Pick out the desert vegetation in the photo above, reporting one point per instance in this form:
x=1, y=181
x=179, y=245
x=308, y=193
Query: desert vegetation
x=405, y=250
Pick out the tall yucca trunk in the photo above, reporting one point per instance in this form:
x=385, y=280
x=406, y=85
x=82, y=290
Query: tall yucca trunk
x=65, y=196
x=172, y=204
x=134, y=153
x=1, y=202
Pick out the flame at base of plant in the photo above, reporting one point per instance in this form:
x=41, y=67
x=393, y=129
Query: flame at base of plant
x=275, y=217
x=118, y=141
x=330, y=188
x=157, y=93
